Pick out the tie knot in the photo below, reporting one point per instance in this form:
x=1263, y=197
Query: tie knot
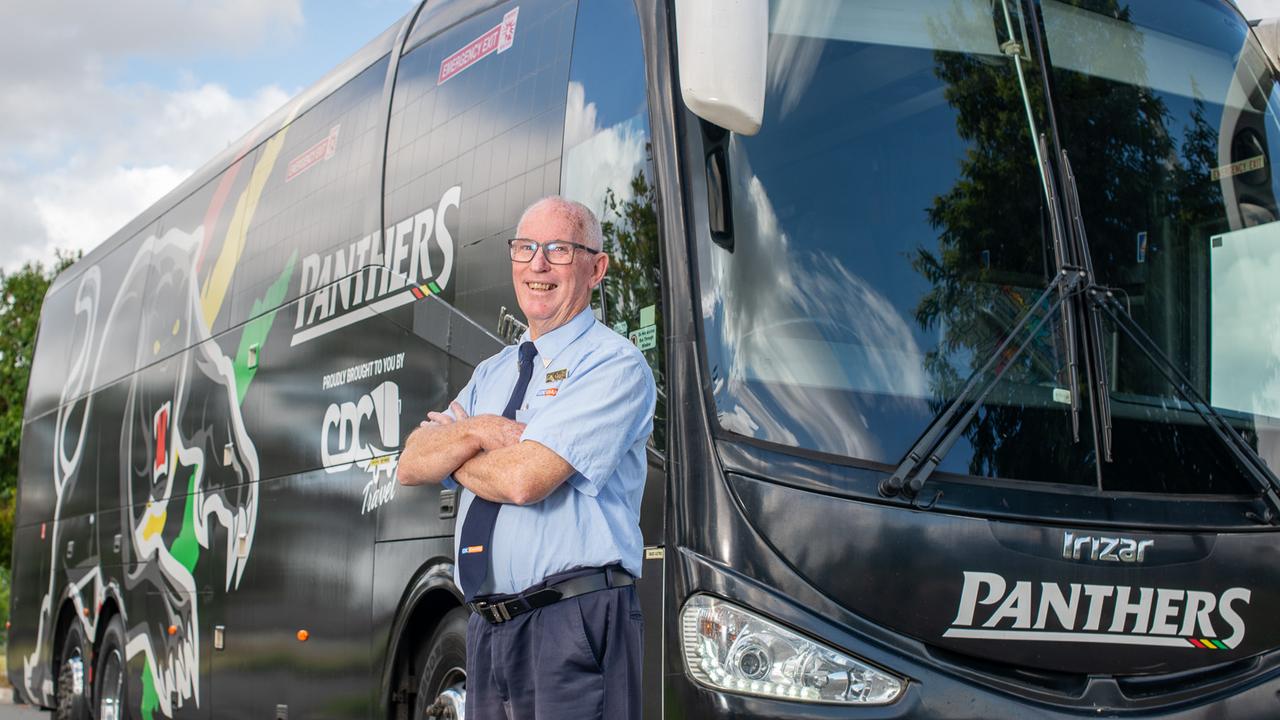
x=527, y=352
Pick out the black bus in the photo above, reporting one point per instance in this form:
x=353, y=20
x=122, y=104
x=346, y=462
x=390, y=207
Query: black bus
x=963, y=315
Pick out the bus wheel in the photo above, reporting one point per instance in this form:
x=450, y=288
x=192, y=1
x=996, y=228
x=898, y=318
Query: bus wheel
x=73, y=704
x=442, y=675
x=110, y=673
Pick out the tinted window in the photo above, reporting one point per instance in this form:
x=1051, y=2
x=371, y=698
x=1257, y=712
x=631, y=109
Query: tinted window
x=475, y=134
x=59, y=327
x=307, y=214
x=607, y=167
x=201, y=241
x=1169, y=115
x=124, y=275
x=886, y=237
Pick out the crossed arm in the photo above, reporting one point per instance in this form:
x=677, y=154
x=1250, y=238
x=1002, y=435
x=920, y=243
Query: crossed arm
x=484, y=454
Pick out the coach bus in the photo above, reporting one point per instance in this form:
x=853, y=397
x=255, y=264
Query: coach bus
x=963, y=315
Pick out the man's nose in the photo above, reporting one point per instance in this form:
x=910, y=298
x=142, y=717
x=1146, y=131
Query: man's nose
x=539, y=261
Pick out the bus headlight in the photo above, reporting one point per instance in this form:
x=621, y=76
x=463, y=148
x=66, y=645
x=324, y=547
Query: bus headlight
x=729, y=648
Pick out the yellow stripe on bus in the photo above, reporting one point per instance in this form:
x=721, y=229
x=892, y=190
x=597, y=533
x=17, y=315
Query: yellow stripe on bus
x=215, y=290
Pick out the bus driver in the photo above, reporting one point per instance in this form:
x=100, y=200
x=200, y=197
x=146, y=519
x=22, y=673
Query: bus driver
x=548, y=441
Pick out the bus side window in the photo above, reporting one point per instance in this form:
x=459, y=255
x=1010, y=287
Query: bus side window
x=308, y=219
x=123, y=276
x=54, y=341
x=608, y=167
x=477, y=130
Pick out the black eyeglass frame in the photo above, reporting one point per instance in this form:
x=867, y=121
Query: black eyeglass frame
x=511, y=249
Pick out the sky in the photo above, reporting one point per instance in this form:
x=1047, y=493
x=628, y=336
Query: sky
x=1254, y=9
x=106, y=106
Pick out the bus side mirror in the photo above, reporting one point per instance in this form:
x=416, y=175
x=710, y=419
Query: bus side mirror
x=722, y=47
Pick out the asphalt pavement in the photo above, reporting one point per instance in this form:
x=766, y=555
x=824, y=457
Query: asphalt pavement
x=9, y=711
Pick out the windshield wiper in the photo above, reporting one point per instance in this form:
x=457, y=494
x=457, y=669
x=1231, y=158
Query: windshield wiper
x=1265, y=480
x=1101, y=299
x=949, y=425
x=1064, y=260
x=1096, y=369
x=927, y=452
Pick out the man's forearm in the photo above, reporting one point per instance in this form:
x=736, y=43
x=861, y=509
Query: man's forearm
x=433, y=451
x=520, y=474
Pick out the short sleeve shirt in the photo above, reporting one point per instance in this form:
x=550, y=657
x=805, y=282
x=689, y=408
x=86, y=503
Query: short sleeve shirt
x=591, y=401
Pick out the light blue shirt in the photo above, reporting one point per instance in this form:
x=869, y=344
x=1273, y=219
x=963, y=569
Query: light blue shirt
x=591, y=401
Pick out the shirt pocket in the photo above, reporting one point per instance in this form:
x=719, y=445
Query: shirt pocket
x=540, y=398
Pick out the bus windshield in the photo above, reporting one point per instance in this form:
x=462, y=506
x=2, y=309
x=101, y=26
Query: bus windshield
x=890, y=226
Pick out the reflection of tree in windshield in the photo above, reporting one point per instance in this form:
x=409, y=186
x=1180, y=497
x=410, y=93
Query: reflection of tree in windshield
x=994, y=244
x=630, y=228
x=995, y=253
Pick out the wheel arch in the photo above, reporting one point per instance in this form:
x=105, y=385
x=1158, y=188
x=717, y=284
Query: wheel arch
x=427, y=598
x=66, y=615
x=110, y=608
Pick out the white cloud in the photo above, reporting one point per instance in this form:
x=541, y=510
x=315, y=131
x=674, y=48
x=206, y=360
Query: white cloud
x=150, y=142
x=1245, y=321
x=1256, y=9
x=83, y=150
x=794, y=319
x=78, y=212
x=598, y=158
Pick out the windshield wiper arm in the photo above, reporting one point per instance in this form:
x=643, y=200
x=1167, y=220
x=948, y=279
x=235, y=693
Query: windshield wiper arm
x=1265, y=480
x=1064, y=260
x=928, y=451
x=1096, y=369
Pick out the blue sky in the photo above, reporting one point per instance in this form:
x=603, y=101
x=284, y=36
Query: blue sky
x=104, y=107
x=327, y=33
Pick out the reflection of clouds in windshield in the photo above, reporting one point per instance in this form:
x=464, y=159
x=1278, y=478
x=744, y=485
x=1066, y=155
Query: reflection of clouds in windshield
x=1245, y=355
x=595, y=158
x=794, y=320
x=795, y=57
x=1267, y=400
x=579, y=116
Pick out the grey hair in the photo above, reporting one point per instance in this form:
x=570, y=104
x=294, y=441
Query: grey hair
x=584, y=222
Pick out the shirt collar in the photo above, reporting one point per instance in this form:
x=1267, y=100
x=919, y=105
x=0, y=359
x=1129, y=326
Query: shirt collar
x=551, y=343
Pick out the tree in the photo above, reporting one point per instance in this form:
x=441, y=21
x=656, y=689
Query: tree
x=21, y=296
x=630, y=230
x=994, y=251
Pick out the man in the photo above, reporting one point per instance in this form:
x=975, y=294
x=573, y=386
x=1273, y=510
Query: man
x=547, y=441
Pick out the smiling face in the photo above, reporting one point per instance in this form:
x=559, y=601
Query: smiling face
x=551, y=295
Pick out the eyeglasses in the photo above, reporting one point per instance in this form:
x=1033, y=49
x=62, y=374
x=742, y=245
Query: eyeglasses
x=557, y=252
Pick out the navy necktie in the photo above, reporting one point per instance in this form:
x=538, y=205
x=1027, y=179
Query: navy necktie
x=482, y=515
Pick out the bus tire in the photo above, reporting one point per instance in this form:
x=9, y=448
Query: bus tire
x=111, y=688
x=72, y=705
x=442, y=670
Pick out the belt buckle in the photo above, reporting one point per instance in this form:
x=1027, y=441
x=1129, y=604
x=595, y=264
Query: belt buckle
x=495, y=613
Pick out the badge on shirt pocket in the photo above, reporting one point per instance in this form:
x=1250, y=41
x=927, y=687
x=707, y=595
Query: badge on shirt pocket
x=557, y=375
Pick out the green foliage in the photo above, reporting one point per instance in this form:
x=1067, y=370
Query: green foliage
x=21, y=296
x=634, y=281
x=995, y=250
x=4, y=602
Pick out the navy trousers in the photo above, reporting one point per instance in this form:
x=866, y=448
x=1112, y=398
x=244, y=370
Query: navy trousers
x=576, y=658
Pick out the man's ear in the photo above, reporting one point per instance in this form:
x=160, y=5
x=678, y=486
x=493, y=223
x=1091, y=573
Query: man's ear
x=601, y=267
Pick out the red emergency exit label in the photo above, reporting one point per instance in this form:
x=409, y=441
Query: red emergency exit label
x=498, y=38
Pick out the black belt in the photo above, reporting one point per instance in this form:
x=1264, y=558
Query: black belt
x=500, y=611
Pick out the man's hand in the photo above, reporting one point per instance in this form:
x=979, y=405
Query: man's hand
x=439, y=418
x=494, y=431
x=491, y=431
